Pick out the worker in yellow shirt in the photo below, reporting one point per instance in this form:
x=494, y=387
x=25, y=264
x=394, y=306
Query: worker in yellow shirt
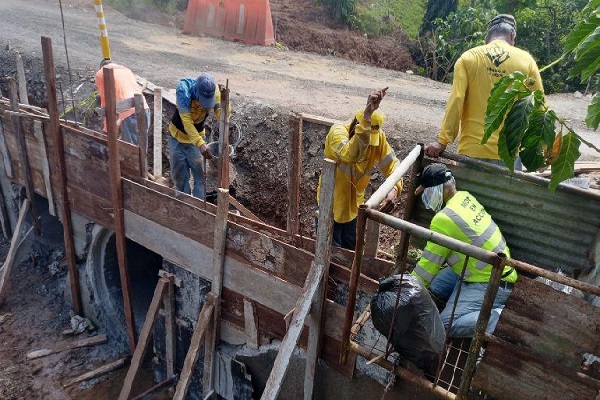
x=475, y=73
x=187, y=145
x=358, y=147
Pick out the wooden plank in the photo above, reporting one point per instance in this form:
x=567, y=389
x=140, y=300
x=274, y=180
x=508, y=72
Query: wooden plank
x=8, y=262
x=157, y=168
x=56, y=143
x=117, y=201
x=98, y=372
x=372, y=240
x=240, y=207
x=140, y=350
x=294, y=175
x=140, y=115
x=194, y=350
x=315, y=119
x=250, y=324
x=26, y=168
x=64, y=346
x=148, y=394
x=212, y=336
x=37, y=131
x=316, y=319
x=23, y=98
x=170, y=327
x=5, y=156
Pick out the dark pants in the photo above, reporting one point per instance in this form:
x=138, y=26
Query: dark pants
x=344, y=235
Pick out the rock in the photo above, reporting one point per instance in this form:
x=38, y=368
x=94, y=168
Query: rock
x=577, y=95
x=409, y=72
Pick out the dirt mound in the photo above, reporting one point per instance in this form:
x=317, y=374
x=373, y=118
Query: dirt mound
x=306, y=26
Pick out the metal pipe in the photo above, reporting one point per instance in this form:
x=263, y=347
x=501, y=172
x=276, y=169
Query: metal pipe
x=538, y=180
x=565, y=280
x=361, y=224
x=391, y=180
x=482, y=323
x=429, y=235
x=402, y=373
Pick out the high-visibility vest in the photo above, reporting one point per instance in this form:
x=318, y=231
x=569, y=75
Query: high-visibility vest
x=465, y=219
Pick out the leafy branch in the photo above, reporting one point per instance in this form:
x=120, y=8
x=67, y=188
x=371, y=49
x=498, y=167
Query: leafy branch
x=528, y=126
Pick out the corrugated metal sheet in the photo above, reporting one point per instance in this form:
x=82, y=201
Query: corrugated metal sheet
x=542, y=336
x=551, y=230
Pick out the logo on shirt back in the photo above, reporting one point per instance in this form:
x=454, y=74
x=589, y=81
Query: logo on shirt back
x=497, y=55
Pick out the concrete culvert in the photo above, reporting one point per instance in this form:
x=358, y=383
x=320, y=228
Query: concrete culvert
x=102, y=295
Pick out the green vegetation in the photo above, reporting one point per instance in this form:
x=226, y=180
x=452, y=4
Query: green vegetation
x=166, y=6
x=529, y=128
x=386, y=17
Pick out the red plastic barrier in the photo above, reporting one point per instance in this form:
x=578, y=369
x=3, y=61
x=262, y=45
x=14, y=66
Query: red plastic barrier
x=248, y=21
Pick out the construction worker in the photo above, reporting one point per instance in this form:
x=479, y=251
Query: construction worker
x=126, y=87
x=187, y=146
x=475, y=73
x=357, y=147
x=460, y=216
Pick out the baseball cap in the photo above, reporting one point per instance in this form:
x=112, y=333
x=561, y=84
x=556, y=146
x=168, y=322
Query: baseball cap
x=503, y=18
x=432, y=175
x=377, y=118
x=205, y=90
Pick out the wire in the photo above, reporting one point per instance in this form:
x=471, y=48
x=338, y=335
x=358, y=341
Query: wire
x=62, y=17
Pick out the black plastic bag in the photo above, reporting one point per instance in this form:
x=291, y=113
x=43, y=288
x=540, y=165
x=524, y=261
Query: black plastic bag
x=418, y=334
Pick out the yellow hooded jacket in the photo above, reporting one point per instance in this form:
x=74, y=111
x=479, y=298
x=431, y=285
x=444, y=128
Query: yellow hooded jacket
x=356, y=158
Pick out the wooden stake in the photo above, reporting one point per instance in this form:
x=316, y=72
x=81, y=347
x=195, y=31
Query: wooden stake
x=316, y=319
x=8, y=262
x=157, y=160
x=294, y=174
x=212, y=337
x=23, y=98
x=98, y=372
x=140, y=350
x=23, y=156
x=243, y=210
x=117, y=200
x=55, y=136
x=194, y=350
x=5, y=155
x=140, y=115
x=170, y=328
x=372, y=240
x=223, y=173
x=250, y=324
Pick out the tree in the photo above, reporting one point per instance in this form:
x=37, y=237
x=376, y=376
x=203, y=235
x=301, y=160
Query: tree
x=436, y=9
x=529, y=125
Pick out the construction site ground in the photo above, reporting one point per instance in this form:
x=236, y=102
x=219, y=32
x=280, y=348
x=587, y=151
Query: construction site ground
x=267, y=83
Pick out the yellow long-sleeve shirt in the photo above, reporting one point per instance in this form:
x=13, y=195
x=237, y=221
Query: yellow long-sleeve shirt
x=475, y=73
x=356, y=160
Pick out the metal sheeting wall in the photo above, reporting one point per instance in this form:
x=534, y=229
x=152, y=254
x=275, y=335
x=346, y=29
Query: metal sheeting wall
x=550, y=230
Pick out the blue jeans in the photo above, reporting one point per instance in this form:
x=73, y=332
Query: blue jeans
x=129, y=131
x=445, y=286
x=186, y=157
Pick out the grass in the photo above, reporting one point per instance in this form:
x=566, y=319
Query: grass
x=379, y=17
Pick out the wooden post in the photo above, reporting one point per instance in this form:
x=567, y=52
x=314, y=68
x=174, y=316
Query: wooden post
x=114, y=167
x=212, y=335
x=24, y=158
x=157, y=170
x=170, y=326
x=223, y=173
x=39, y=135
x=7, y=266
x=5, y=156
x=55, y=135
x=194, y=350
x=316, y=319
x=142, y=131
x=140, y=350
x=251, y=324
x=23, y=99
x=294, y=174
x=372, y=240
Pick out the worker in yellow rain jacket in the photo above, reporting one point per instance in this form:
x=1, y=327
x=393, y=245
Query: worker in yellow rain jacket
x=475, y=73
x=187, y=145
x=358, y=147
x=459, y=215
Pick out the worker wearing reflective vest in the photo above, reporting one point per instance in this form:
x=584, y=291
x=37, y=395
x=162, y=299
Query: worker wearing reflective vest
x=187, y=144
x=459, y=215
x=358, y=147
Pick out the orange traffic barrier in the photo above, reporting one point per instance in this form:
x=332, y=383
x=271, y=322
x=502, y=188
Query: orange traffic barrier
x=248, y=21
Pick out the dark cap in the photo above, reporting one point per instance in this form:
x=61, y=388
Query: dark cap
x=205, y=90
x=435, y=174
x=503, y=18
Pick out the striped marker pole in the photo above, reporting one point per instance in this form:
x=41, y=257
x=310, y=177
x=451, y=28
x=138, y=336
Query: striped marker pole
x=103, y=32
